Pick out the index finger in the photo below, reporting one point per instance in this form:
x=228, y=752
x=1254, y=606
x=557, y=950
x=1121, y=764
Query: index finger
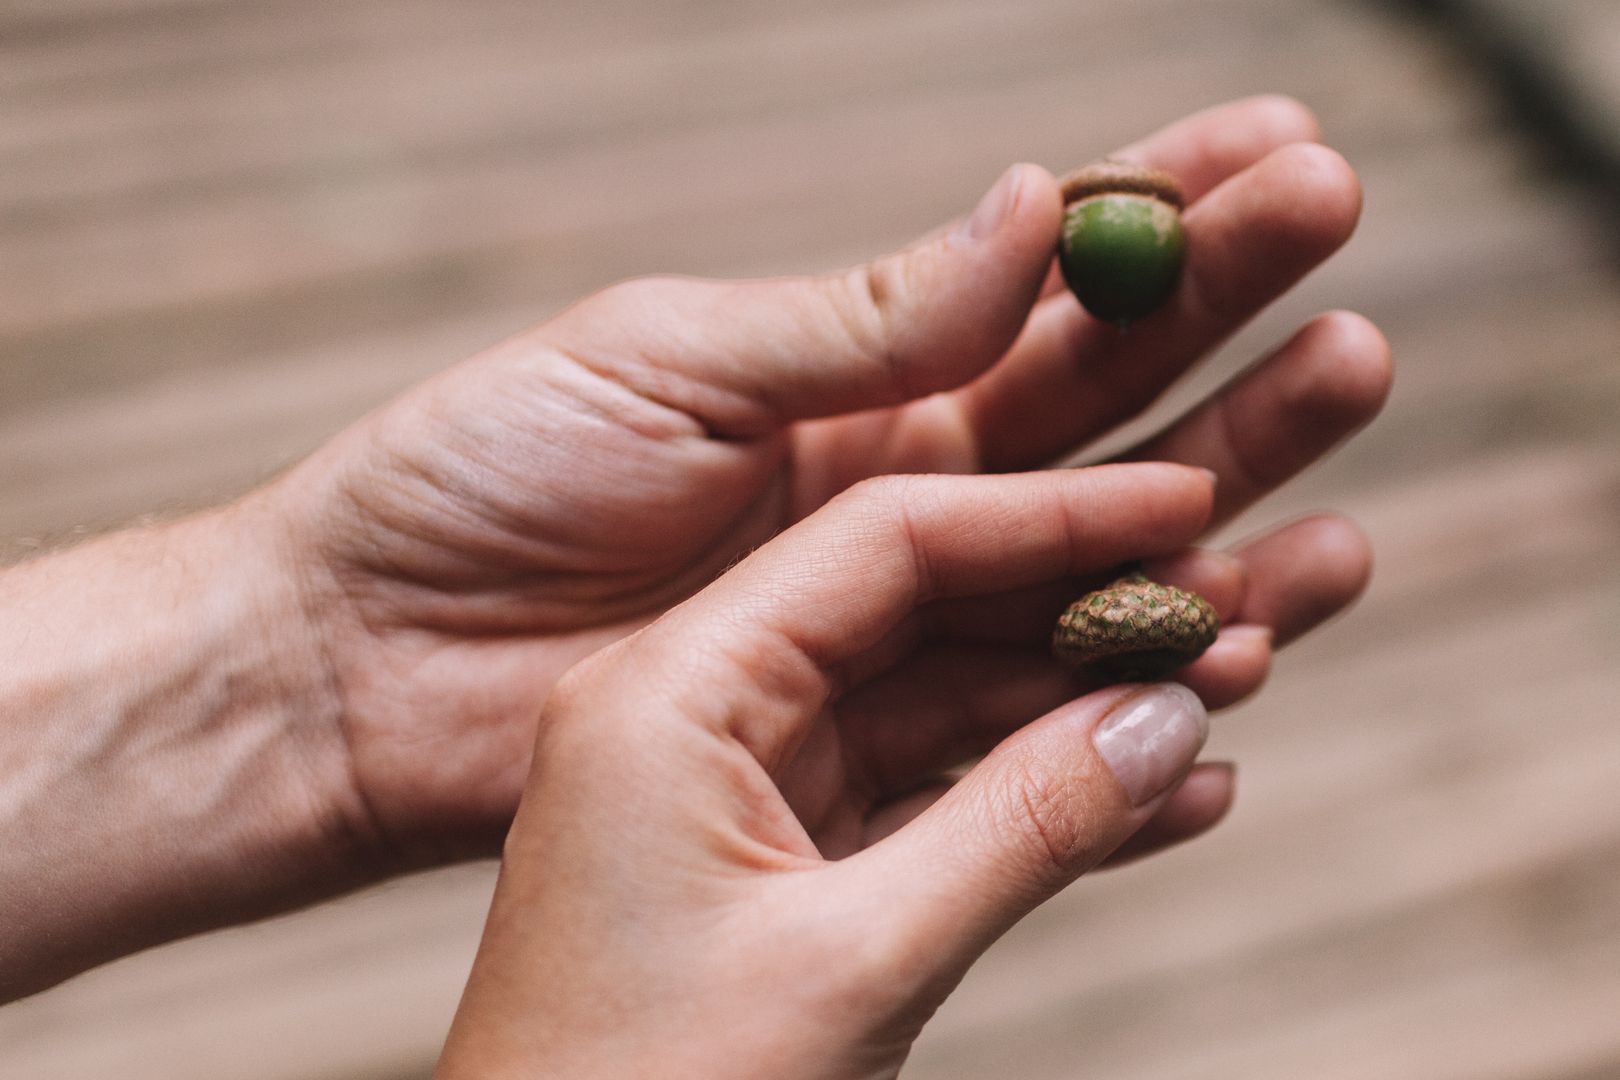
x=777, y=629
x=1211, y=146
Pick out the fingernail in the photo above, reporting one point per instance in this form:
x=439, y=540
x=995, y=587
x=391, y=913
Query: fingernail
x=1248, y=633
x=1195, y=565
x=1214, y=477
x=994, y=209
x=1151, y=738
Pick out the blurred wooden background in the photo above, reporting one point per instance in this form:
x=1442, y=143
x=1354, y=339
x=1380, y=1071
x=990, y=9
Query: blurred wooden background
x=228, y=228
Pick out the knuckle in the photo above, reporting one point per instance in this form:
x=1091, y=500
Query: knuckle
x=577, y=697
x=570, y=695
x=882, y=497
x=895, y=507
x=873, y=297
x=634, y=289
x=1047, y=817
x=624, y=298
x=602, y=700
x=882, y=517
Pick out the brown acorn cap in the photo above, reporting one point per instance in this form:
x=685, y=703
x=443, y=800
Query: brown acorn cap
x=1135, y=629
x=1112, y=177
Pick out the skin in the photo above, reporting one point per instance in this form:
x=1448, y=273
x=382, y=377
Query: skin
x=343, y=675
x=713, y=937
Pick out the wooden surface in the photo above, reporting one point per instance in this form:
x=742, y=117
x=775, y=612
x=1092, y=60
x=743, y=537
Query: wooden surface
x=227, y=229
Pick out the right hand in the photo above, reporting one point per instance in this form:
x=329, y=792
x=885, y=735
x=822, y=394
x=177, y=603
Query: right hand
x=466, y=545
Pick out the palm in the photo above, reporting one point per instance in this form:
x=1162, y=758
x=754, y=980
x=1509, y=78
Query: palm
x=526, y=580
x=574, y=553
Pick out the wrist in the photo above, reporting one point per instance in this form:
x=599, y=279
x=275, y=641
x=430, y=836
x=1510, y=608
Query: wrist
x=276, y=610
x=168, y=757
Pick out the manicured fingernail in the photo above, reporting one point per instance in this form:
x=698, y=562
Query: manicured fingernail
x=994, y=209
x=1151, y=738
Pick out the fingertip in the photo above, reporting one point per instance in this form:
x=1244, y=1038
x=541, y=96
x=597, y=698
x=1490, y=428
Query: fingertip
x=1277, y=119
x=1181, y=496
x=1208, y=147
x=1305, y=572
x=1209, y=482
x=1345, y=555
x=1328, y=194
x=1205, y=797
x=1197, y=476
x=1335, y=377
x=1361, y=357
x=1025, y=240
x=1233, y=668
x=1196, y=806
x=1023, y=205
x=1040, y=198
x=1265, y=228
x=942, y=311
x=1210, y=789
x=995, y=209
x=1218, y=576
x=1037, y=218
x=1200, y=803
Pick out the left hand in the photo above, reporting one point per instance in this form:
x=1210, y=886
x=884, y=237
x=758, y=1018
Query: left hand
x=737, y=855
x=469, y=543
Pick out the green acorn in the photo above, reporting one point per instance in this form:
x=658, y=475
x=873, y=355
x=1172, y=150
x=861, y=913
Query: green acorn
x=1135, y=630
x=1122, y=243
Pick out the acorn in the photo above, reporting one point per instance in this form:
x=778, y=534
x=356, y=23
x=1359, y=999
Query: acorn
x=1122, y=243
x=1135, y=630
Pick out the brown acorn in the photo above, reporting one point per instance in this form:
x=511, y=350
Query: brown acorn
x=1135, y=630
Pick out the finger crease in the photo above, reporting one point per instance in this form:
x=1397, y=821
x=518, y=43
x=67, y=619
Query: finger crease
x=877, y=338
x=1243, y=469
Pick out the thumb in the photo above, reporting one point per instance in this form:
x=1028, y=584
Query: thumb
x=1045, y=806
x=747, y=356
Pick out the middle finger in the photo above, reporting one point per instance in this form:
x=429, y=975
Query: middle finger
x=1282, y=414
x=1070, y=377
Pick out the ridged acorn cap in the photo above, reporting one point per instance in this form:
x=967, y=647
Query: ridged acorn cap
x=1135, y=630
x=1121, y=178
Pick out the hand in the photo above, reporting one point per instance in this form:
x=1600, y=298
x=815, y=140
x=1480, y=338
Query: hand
x=468, y=544
x=667, y=907
x=340, y=675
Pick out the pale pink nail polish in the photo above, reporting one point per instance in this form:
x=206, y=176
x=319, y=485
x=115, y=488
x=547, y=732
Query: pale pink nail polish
x=1151, y=737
